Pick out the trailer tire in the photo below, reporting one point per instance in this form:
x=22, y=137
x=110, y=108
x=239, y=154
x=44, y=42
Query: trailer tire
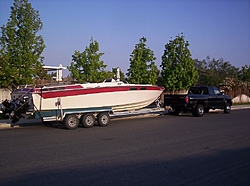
x=87, y=120
x=103, y=119
x=71, y=121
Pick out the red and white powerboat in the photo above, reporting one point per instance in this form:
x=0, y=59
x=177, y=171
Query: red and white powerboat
x=111, y=95
x=117, y=95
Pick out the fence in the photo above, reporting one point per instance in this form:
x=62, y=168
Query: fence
x=239, y=95
x=238, y=90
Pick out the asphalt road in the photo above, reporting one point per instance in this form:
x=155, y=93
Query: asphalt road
x=164, y=150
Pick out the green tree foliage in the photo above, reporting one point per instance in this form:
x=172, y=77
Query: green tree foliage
x=178, y=71
x=21, y=48
x=214, y=72
x=202, y=71
x=244, y=73
x=86, y=65
x=143, y=69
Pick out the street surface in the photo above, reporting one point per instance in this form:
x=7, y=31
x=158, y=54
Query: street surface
x=164, y=150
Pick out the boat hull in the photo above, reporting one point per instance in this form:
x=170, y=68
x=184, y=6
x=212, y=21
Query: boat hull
x=119, y=100
x=117, y=96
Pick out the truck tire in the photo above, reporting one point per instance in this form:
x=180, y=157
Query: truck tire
x=87, y=120
x=174, y=113
x=227, y=108
x=103, y=119
x=198, y=111
x=71, y=121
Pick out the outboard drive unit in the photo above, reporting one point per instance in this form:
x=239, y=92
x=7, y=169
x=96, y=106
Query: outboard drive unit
x=17, y=107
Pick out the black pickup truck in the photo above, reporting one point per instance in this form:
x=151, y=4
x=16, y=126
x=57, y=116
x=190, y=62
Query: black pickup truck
x=199, y=100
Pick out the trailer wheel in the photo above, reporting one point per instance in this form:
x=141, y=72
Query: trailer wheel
x=88, y=120
x=198, y=111
x=103, y=119
x=71, y=121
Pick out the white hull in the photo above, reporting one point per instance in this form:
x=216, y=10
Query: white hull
x=118, y=101
x=117, y=96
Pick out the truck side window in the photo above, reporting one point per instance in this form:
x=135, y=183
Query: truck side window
x=204, y=90
x=217, y=91
x=194, y=90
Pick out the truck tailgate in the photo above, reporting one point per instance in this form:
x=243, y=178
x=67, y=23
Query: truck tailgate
x=178, y=99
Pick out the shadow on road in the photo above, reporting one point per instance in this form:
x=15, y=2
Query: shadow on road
x=216, y=168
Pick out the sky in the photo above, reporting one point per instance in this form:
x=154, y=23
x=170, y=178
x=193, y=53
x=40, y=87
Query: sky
x=215, y=28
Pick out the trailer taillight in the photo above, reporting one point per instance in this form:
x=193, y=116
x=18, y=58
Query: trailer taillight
x=186, y=99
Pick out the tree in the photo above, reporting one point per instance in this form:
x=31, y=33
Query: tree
x=142, y=68
x=178, y=71
x=21, y=48
x=219, y=70
x=86, y=66
x=244, y=73
x=214, y=72
x=203, y=72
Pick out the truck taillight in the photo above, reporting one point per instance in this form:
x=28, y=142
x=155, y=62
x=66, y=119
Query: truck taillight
x=186, y=99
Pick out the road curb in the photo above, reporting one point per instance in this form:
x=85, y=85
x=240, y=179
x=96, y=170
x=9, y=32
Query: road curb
x=5, y=124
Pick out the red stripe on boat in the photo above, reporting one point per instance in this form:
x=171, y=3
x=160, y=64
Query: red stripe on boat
x=82, y=91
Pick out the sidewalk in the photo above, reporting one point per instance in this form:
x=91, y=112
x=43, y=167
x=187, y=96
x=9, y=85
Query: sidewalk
x=146, y=112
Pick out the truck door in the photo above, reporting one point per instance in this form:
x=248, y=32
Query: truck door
x=212, y=99
x=204, y=91
x=219, y=98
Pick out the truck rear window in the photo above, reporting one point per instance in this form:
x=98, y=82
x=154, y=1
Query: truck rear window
x=198, y=90
x=194, y=90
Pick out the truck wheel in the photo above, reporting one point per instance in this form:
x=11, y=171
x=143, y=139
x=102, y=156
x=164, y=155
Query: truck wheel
x=103, y=119
x=88, y=120
x=198, y=111
x=71, y=121
x=174, y=113
x=227, y=108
